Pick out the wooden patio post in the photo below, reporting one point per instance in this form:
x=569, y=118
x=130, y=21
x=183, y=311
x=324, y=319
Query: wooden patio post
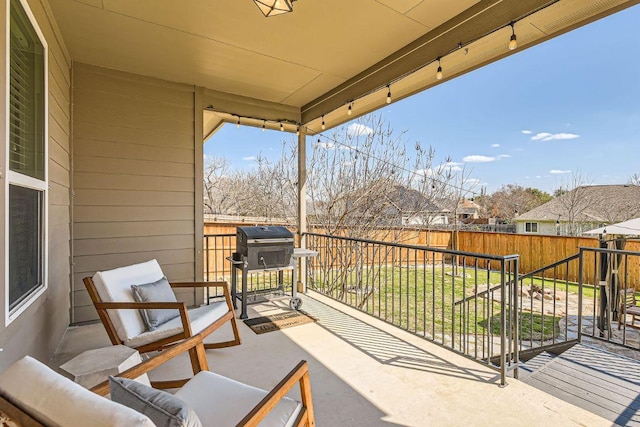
x=302, y=207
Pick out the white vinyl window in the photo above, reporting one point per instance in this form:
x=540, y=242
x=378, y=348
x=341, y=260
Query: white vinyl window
x=26, y=201
x=531, y=227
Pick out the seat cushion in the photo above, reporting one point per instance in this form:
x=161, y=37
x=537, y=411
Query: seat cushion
x=221, y=401
x=164, y=409
x=200, y=318
x=61, y=402
x=159, y=291
x=115, y=286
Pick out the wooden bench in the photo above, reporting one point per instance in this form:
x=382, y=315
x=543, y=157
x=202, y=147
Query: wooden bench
x=628, y=306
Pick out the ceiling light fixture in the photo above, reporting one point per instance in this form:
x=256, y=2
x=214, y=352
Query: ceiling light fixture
x=238, y=122
x=264, y=124
x=323, y=125
x=274, y=7
x=513, y=43
x=439, y=72
x=388, y=94
x=349, y=112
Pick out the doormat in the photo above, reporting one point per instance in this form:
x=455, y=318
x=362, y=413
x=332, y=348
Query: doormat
x=261, y=325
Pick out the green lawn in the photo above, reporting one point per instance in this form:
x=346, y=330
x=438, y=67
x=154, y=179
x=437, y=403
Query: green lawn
x=429, y=300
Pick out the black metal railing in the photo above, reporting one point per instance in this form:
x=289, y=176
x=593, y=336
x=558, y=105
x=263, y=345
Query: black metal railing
x=549, y=306
x=425, y=291
x=608, y=313
x=474, y=304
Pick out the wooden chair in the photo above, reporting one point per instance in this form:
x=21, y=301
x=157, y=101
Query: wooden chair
x=628, y=306
x=111, y=294
x=223, y=397
x=32, y=394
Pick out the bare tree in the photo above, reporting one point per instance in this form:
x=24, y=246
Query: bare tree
x=634, y=179
x=217, y=183
x=362, y=177
x=574, y=198
x=513, y=199
x=364, y=183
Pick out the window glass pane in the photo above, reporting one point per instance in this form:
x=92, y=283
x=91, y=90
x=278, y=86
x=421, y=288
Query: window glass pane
x=26, y=96
x=25, y=243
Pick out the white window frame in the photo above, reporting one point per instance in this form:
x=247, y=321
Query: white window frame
x=21, y=180
x=530, y=224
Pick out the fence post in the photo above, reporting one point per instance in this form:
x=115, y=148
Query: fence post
x=503, y=325
x=516, y=317
x=580, y=284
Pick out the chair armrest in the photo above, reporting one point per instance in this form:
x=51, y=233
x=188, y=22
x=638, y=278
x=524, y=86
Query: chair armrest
x=299, y=374
x=115, y=305
x=224, y=285
x=221, y=284
x=194, y=342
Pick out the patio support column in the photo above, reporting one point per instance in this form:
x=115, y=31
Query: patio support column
x=198, y=147
x=302, y=206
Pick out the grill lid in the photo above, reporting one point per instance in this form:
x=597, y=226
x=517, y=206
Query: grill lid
x=263, y=233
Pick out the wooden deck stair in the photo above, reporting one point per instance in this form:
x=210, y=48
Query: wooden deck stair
x=599, y=381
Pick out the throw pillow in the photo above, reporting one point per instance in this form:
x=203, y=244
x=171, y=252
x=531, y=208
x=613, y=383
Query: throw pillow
x=159, y=291
x=163, y=408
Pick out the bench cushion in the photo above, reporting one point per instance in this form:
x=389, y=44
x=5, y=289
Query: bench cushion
x=164, y=409
x=221, y=401
x=61, y=402
x=200, y=318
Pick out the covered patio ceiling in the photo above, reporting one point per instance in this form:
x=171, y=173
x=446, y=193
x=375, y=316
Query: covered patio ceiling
x=308, y=66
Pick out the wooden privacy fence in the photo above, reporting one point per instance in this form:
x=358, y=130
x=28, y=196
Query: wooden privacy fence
x=536, y=251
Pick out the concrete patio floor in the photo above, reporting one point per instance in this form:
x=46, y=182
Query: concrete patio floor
x=365, y=372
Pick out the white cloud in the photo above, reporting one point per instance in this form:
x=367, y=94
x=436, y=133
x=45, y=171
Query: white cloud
x=327, y=145
x=545, y=136
x=504, y=156
x=452, y=166
x=249, y=158
x=449, y=166
x=538, y=176
x=558, y=171
x=495, y=145
x=357, y=129
x=527, y=132
x=475, y=158
x=472, y=181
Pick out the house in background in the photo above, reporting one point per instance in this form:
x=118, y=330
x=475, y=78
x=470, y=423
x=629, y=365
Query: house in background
x=414, y=208
x=582, y=209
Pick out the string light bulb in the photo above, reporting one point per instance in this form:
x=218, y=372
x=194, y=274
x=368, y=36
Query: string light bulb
x=439, y=72
x=264, y=124
x=281, y=127
x=513, y=43
x=238, y=122
x=388, y=94
x=323, y=125
x=298, y=130
x=349, y=112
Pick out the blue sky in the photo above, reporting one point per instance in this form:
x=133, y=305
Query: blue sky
x=570, y=104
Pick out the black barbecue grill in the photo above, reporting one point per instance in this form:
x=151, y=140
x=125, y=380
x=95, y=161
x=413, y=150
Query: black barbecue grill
x=259, y=249
x=264, y=247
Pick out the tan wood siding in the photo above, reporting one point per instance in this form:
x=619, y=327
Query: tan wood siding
x=38, y=330
x=134, y=176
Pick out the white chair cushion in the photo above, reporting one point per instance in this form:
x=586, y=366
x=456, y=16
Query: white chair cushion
x=115, y=286
x=220, y=401
x=200, y=318
x=57, y=401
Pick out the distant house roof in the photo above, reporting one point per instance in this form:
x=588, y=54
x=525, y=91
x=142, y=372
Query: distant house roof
x=590, y=203
x=410, y=201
